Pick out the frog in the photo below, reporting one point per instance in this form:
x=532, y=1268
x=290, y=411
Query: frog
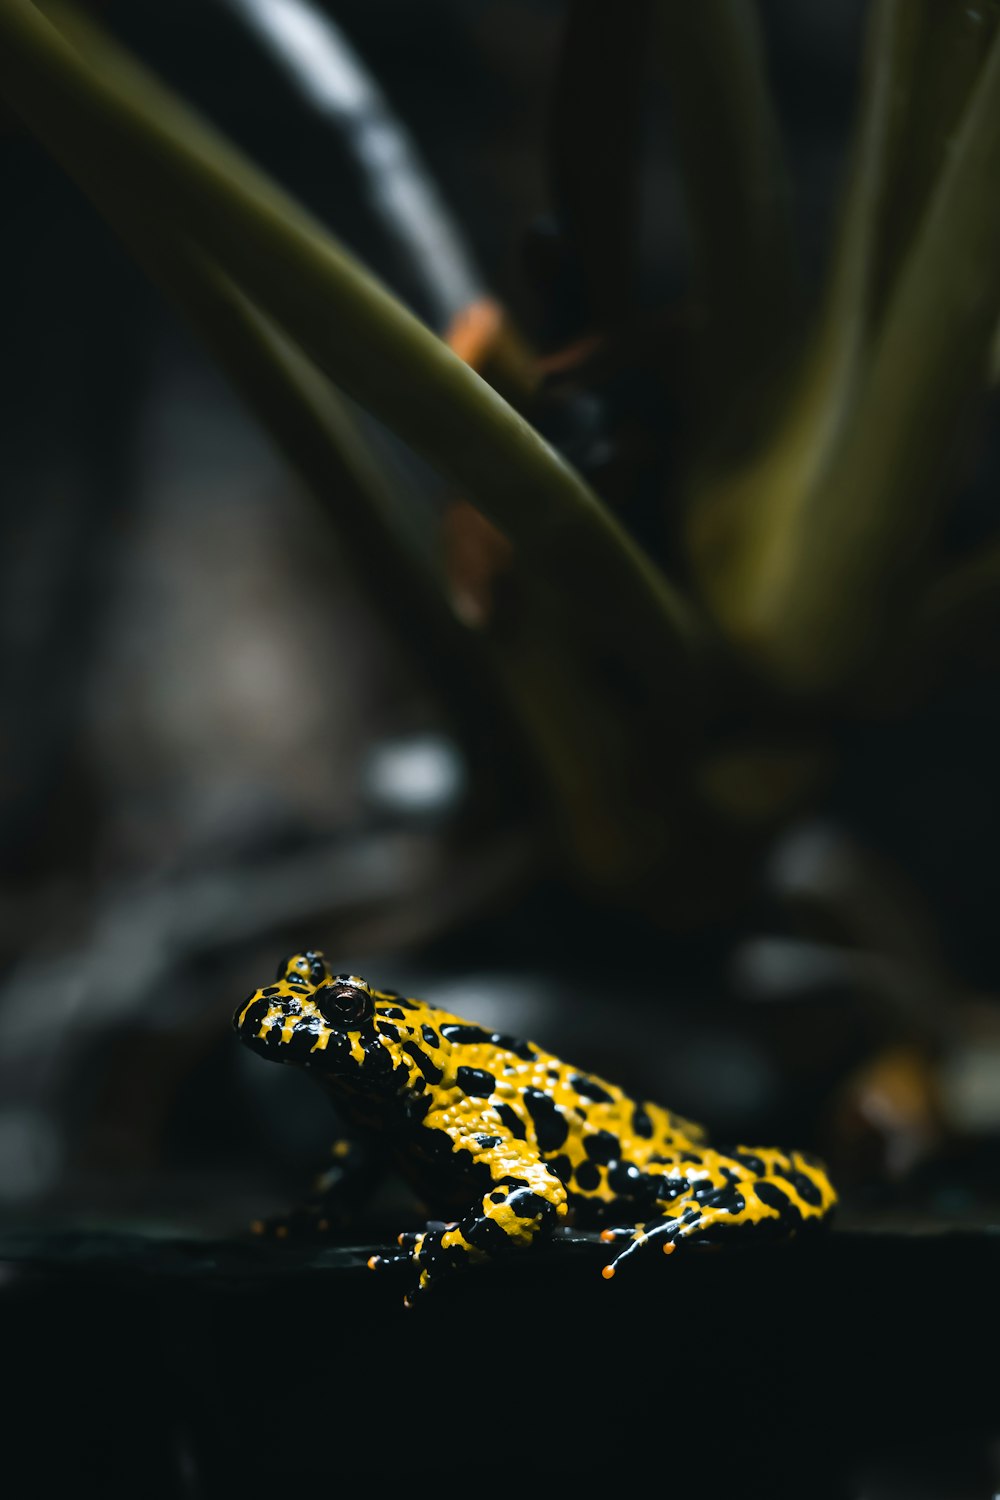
x=508, y=1142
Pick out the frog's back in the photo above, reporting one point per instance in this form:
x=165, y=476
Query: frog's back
x=603, y=1144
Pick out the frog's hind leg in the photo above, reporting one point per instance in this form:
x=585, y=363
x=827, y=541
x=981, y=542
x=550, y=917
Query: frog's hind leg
x=773, y=1206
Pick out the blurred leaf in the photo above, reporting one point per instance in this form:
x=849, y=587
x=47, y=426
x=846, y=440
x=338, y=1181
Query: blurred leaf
x=938, y=50
x=808, y=552
x=743, y=512
x=735, y=185
x=868, y=520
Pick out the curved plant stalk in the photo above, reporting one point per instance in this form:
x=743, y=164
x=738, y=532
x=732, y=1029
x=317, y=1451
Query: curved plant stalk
x=348, y=324
x=745, y=265
x=312, y=425
x=485, y=337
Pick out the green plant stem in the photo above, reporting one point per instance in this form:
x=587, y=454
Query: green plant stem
x=937, y=53
x=868, y=519
x=742, y=520
x=847, y=318
x=808, y=552
x=312, y=426
x=136, y=133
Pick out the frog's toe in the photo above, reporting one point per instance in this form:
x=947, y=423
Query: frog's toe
x=301, y=1223
x=265, y=1229
x=416, y=1250
x=388, y=1260
x=658, y=1234
x=384, y=1259
x=412, y=1239
x=273, y=1229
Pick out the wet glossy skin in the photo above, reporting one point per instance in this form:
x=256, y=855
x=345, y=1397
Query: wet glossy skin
x=508, y=1140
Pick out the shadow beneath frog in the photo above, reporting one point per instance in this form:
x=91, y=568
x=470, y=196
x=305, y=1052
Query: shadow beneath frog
x=194, y=1367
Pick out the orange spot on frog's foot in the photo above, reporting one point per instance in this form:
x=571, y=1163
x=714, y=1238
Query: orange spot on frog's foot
x=401, y=1239
x=408, y=1302
x=607, y=1235
x=608, y=1272
x=282, y=1231
x=669, y=1248
x=373, y=1262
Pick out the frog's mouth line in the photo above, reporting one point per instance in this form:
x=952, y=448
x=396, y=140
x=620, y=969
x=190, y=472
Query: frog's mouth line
x=266, y=1025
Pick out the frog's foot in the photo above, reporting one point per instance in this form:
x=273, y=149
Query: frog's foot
x=335, y=1193
x=773, y=1207
x=308, y=1221
x=511, y=1216
x=434, y=1252
x=661, y=1233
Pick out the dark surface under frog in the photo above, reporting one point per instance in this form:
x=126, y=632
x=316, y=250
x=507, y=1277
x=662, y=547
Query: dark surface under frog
x=857, y=1364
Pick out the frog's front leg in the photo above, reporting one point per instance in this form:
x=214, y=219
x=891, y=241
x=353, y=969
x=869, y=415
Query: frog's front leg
x=521, y=1204
x=769, y=1193
x=354, y=1171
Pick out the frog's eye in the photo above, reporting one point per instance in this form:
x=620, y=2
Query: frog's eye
x=308, y=966
x=344, y=1003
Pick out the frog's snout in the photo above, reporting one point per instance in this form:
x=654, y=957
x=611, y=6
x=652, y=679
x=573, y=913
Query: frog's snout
x=248, y=1016
x=288, y=1028
x=272, y=1026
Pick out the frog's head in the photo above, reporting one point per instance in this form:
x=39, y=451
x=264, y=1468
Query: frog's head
x=314, y=1019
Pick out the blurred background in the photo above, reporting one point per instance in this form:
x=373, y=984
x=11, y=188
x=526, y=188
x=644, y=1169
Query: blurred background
x=218, y=746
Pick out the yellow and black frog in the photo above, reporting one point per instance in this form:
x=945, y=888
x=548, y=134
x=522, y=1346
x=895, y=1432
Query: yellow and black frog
x=507, y=1141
